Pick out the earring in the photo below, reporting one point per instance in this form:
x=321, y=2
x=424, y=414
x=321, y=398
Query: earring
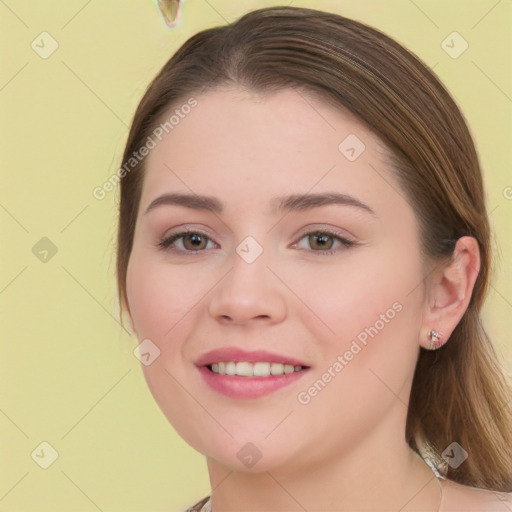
x=435, y=339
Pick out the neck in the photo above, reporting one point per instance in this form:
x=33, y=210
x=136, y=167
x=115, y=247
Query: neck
x=381, y=475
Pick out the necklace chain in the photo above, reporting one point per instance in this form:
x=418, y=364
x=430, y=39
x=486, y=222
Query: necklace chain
x=438, y=480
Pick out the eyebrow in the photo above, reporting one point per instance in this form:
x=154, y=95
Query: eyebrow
x=193, y=201
x=308, y=201
x=288, y=203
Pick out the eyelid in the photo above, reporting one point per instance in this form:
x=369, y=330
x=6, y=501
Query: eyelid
x=323, y=228
x=188, y=228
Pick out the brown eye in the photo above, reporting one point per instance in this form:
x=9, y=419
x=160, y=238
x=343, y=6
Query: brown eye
x=187, y=241
x=324, y=242
x=194, y=242
x=320, y=241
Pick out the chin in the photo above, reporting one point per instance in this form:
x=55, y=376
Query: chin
x=246, y=460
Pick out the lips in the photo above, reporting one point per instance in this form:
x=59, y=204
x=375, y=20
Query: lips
x=227, y=371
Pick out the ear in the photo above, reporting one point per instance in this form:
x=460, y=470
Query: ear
x=448, y=293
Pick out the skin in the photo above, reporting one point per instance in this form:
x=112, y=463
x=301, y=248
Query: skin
x=345, y=449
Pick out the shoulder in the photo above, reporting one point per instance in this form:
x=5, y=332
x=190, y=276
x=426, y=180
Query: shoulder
x=463, y=498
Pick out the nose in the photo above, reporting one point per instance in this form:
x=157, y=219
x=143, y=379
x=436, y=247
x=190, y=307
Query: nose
x=249, y=293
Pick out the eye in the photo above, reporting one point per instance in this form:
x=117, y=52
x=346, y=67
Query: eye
x=187, y=241
x=323, y=242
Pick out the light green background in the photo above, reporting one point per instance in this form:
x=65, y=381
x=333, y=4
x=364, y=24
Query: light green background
x=68, y=373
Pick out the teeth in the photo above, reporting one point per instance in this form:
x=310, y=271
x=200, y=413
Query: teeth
x=230, y=368
x=277, y=368
x=260, y=369
x=244, y=369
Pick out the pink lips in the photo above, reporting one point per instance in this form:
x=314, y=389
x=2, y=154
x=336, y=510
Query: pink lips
x=235, y=386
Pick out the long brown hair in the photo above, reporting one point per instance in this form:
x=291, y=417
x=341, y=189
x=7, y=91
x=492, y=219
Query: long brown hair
x=460, y=392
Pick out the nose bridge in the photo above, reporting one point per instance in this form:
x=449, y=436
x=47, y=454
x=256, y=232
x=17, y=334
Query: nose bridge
x=248, y=291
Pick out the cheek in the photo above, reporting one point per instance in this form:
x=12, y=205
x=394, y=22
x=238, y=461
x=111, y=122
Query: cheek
x=368, y=307
x=162, y=303
x=375, y=315
x=352, y=294
x=160, y=296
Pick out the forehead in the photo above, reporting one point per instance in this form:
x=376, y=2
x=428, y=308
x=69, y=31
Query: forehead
x=285, y=120
x=287, y=141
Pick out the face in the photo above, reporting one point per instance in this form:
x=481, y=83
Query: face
x=272, y=233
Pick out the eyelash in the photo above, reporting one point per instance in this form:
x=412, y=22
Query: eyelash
x=166, y=242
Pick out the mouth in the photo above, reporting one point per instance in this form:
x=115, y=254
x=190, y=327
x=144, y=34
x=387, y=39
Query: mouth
x=237, y=373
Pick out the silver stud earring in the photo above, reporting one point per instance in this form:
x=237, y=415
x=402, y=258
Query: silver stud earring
x=435, y=339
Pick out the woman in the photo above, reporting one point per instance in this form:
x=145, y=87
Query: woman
x=303, y=252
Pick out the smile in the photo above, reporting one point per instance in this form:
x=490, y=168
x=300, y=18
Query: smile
x=259, y=369
x=239, y=373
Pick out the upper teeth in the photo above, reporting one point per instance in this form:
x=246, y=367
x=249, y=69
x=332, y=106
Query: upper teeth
x=245, y=369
